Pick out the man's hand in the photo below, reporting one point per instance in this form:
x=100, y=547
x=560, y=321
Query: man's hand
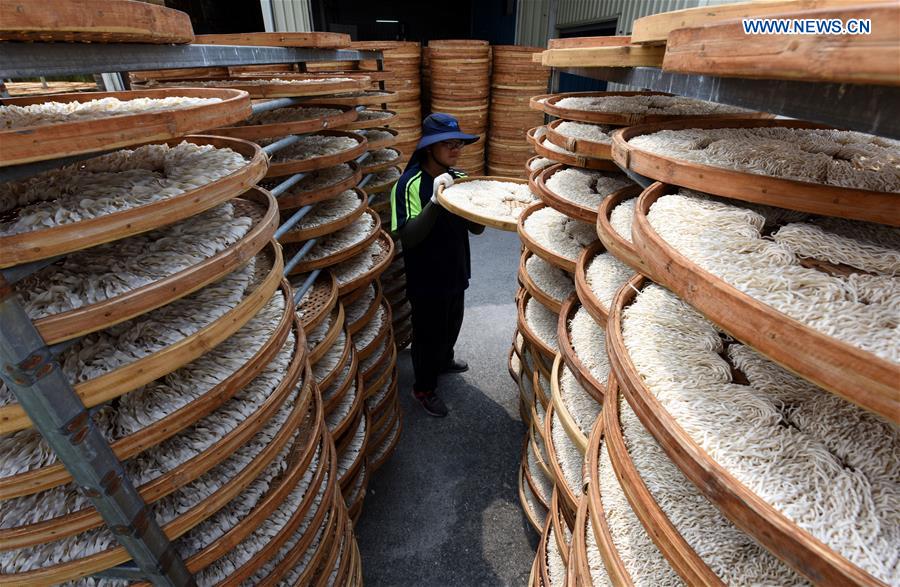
x=444, y=179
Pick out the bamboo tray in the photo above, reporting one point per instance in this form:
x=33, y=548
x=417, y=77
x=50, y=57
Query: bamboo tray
x=768, y=526
x=332, y=398
x=252, y=132
x=531, y=135
x=256, y=203
x=123, y=379
x=364, y=98
x=66, y=238
x=176, y=477
x=541, y=555
x=560, y=526
x=346, y=359
x=383, y=332
x=594, y=387
x=827, y=200
x=292, y=166
x=509, y=224
x=525, y=484
x=856, y=375
x=65, y=139
x=381, y=263
x=614, y=242
x=356, y=407
x=373, y=123
x=305, y=266
x=615, y=568
x=537, y=344
x=274, y=90
x=370, y=312
x=579, y=570
x=292, y=198
x=582, y=147
x=318, y=350
x=296, y=235
x=377, y=188
x=561, y=410
x=318, y=40
x=320, y=301
x=117, y=555
x=153, y=434
x=569, y=498
x=383, y=143
x=349, y=476
x=564, y=205
x=572, y=160
x=535, y=247
x=532, y=288
x=598, y=311
x=683, y=558
x=93, y=21
x=376, y=167
x=379, y=374
x=387, y=409
x=387, y=445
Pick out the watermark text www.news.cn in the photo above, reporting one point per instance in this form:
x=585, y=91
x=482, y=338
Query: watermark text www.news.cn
x=807, y=26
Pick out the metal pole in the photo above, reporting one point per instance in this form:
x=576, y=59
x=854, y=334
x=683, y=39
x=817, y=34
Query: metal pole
x=287, y=184
x=260, y=107
x=308, y=283
x=293, y=220
x=299, y=256
x=57, y=412
x=280, y=144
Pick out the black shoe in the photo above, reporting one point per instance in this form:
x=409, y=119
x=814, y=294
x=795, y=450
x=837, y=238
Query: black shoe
x=456, y=366
x=432, y=404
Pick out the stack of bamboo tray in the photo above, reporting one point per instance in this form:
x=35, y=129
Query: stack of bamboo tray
x=183, y=342
x=515, y=78
x=713, y=461
x=459, y=78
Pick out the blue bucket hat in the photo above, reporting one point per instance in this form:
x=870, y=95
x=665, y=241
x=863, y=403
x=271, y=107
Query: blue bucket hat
x=439, y=127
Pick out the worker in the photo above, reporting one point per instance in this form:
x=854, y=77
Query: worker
x=435, y=253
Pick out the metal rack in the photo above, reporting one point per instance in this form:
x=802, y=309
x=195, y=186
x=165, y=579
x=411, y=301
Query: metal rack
x=28, y=364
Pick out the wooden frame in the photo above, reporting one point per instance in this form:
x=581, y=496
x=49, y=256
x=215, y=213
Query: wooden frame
x=582, y=147
x=610, y=56
x=768, y=526
x=591, y=385
x=501, y=224
x=66, y=238
x=292, y=166
x=377, y=269
x=612, y=241
x=572, y=160
x=296, y=235
x=855, y=375
x=279, y=129
x=827, y=200
x=304, y=266
x=294, y=199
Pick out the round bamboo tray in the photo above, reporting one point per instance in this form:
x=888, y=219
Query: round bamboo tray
x=292, y=166
x=827, y=200
x=318, y=302
x=261, y=91
x=64, y=139
x=593, y=386
x=117, y=555
x=767, y=525
x=388, y=407
x=579, y=570
x=537, y=344
x=352, y=297
x=540, y=556
x=573, y=160
x=381, y=166
x=294, y=198
x=542, y=400
x=560, y=526
x=346, y=360
x=381, y=373
x=569, y=497
x=342, y=255
x=155, y=433
x=356, y=407
x=346, y=481
x=296, y=235
x=683, y=558
x=381, y=263
x=615, y=568
x=532, y=288
x=537, y=102
x=582, y=147
x=535, y=247
x=370, y=312
x=612, y=240
x=597, y=309
x=856, y=375
x=252, y=132
x=281, y=39
x=333, y=394
x=386, y=447
x=383, y=332
x=93, y=21
x=525, y=488
x=364, y=98
x=318, y=350
x=568, y=207
x=121, y=380
x=382, y=143
x=373, y=123
x=66, y=238
x=508, y=224
x=377, y=188
x=256, y=203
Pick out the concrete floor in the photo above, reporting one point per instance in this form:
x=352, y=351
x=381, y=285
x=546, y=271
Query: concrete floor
x=444, y=510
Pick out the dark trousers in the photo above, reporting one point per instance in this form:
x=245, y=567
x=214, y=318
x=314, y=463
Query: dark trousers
x=436, y=321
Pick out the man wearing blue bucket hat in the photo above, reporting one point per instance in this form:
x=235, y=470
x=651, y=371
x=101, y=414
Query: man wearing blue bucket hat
x=435, y=253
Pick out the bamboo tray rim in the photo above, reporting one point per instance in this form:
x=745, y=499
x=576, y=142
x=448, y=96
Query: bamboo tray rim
x=473, y=216
x=382, y=367
x=343, y=386
x=343, y=361
x=378, y=188
x=569, y=498
x=559, y=203
x=612, y=241
x=317, y=351
x=376, y=167
x=277, y=129
x=530, y=516
x=343, y=425
x=377, y=269
x=61, y=139
x=579, y=146
x=539, y=345
x=586, y=296
x=358, y=124
x=124, y=306
x=852, y=373
x=579, y=570
x=128, y=446
x=293, y=199
x=322, y=309
x=66, y=238
x=296, y=235
x=555, y=513
x=572, y=160
x=768, y=526
x=305, y=266
x=570, y=358
x=386, y=325
x=371, y=310
x=814, y=198
x=681, y=556
x=538, y=249
x=531, y=286
x=363, y=98
x=167, y=359
x=292, y=166
x=383, y=143
x=387, y=445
